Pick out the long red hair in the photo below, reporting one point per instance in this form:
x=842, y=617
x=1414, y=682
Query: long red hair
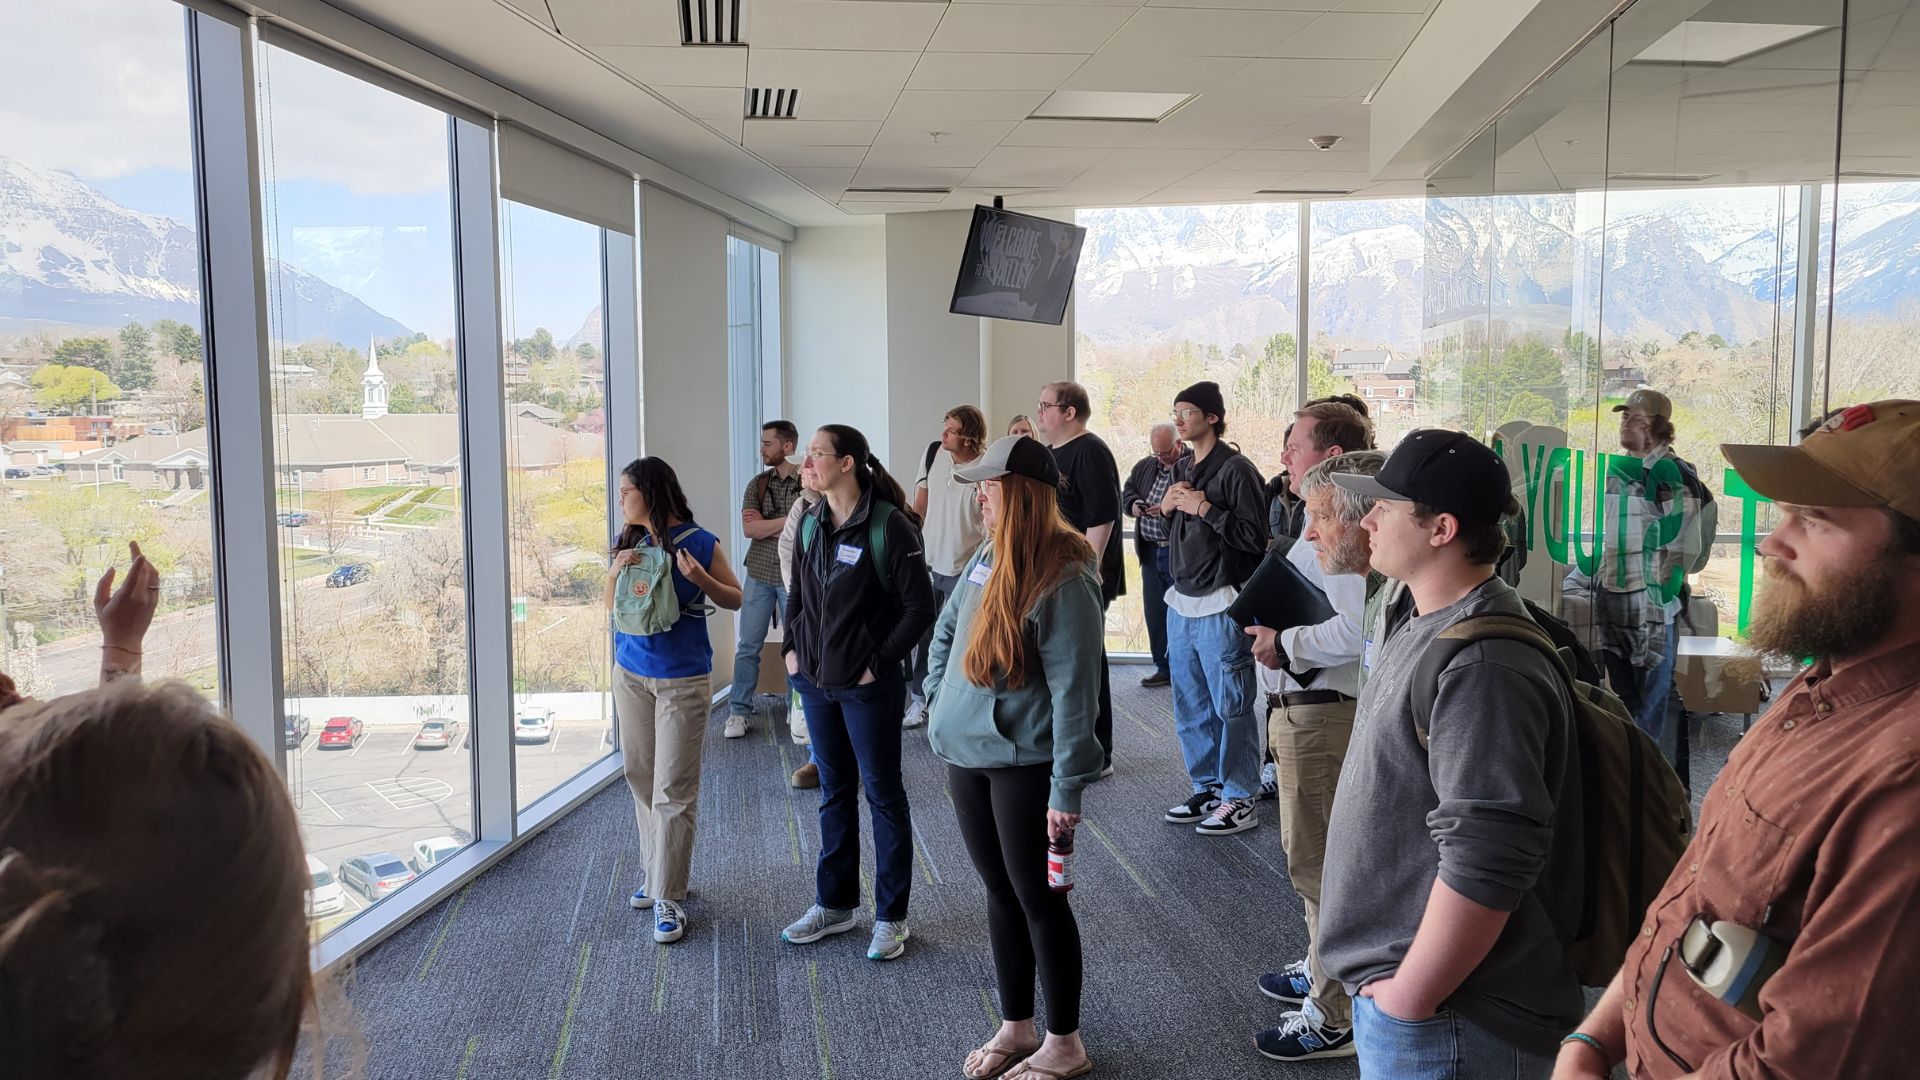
x=1034, y=549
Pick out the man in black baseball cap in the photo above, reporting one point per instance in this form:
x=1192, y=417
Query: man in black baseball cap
x=1452, y=860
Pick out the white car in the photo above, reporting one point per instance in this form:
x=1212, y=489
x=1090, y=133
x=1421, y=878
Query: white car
x=323, y=892
x=432, y=850
x=533, y=724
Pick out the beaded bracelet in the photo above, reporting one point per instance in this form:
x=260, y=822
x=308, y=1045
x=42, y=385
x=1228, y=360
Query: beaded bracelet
x=1583, y=1037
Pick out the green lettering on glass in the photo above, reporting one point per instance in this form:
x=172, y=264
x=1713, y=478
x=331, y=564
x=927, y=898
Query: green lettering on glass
x=1750, y=500
x=1557, y=462
x=1623, y=478
x=1588, y=560
x=1664, y=531
x=1534, y=466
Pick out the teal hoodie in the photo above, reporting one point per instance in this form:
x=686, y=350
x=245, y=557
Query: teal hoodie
x=1050, y=719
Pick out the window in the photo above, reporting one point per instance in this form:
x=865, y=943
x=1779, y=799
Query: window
x=1365, y=292
x=103, y=333
x=356, y=201
x=557, y=488
x=753, y=351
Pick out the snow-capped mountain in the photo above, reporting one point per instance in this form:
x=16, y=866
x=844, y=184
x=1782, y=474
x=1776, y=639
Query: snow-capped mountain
x=71, y=255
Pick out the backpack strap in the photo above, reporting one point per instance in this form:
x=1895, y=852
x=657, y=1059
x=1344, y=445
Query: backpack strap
x=933, y=451
x=1454, y=639
x=877, y=515
x=809, y=525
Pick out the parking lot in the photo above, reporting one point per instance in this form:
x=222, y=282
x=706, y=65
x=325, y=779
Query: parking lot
x=383, y=795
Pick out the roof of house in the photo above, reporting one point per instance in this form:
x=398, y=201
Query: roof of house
x=536, y=411
x=318, y=442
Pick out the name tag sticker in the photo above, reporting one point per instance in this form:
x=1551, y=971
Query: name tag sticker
x=849, y=555
x=981, y=572
x=1366, y=657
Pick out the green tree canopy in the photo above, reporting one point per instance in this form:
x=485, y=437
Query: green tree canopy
x=93, y=352
x=58, y=386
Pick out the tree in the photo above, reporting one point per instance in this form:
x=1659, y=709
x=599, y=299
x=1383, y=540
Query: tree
x=135, y=367
x=1716, y=342
x=178, y=340
x=1692, y=339
x=60, y=387
x=538, y=348
x=178, y=395
x=92, y=352
x=587, y=352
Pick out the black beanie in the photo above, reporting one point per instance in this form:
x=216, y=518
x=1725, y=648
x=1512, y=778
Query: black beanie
x=1206, y=395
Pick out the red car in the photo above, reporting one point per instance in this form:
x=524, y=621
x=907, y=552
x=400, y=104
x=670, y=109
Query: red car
x=341, y=733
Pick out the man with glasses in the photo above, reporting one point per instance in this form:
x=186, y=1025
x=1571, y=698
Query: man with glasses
x=1090, y=499
x=1145, y=488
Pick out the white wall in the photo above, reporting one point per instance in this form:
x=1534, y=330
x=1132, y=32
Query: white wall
x=933, y=356
x=683, y=357
x=1022, y=357
x=836, y=358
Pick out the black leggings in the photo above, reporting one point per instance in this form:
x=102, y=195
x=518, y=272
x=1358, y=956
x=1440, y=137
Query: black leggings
x=1003, y=818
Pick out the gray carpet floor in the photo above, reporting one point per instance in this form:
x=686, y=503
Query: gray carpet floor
x=540, y=969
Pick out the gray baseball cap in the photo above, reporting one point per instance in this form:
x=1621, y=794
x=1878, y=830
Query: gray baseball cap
x=1020, y=455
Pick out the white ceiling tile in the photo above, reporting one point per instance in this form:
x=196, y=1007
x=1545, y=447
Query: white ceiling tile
x=820, y=179
x=904, y=131
x=989, y=71
x=1134, y=158
x=844, y=157
x=763, y=134
x=733, y=127
x=908, y=176
x=535, y=8
x=1094, y=133
x=1276, y=161
x=1157, y=74
x=1305, y=77
x=1091, y=197
x=1204, y=32
x=1352, y=36
x=706, y=101
x=842, y=103
x=1310, y=6
x=1102, y=174
x=827, y=69
x=947, y=106
x=858, y=205
x=832, y=24
x=951, y=156
x=1017, y=28
x=1167, y=135
x=1025, y=165
x=599, y=22
x=1420, y=7
x=1054, y=3
x=678, y=65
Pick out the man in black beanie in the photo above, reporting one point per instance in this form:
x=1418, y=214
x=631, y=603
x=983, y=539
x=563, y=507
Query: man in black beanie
x=1217, y=518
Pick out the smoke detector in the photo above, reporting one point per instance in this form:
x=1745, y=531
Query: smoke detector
x=1323, y=142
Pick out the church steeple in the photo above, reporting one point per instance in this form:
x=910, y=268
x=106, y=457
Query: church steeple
x=373, y=401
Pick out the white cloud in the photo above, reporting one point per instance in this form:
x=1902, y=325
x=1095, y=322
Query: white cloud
x=321, y=125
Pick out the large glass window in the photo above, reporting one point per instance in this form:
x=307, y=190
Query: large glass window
x=1365, y=290
x=102, y=405
x=753, y=353
x=356, y=205
x=558, y=500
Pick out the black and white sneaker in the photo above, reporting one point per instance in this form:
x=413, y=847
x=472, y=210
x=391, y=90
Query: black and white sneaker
x=1229, y=817
x=1301, y=1037
x=1269, y=783
x=1194, y=809
x=1291, y=984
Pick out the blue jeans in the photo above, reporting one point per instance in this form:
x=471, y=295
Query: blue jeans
x=1213, y=693
x=1155, y=580
x=1446, y=1046
x=856, y=739
x=1656, y=689
x=759, y=603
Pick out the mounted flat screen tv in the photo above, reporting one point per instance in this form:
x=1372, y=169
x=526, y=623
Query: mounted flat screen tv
x=1017, y=266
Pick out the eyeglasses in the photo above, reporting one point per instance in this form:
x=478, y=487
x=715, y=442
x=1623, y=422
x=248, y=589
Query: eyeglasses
x=1186, y=414
x=1043, y=406
x=822, y=455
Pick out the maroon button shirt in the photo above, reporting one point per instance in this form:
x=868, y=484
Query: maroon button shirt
x=1811, y=835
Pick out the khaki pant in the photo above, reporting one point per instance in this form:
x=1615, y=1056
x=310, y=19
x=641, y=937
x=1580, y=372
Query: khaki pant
x=663, y=725
x=1309, y=744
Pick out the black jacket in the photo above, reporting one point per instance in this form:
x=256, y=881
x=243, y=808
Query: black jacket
x=840, y=620
x=1224, y=547
x=1135, y=490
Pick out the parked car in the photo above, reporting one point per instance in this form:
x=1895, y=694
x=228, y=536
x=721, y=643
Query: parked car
x=376, y=876
x=533, y=724
x=436, y=734
x=428, y=852
x=16, y=472
x=297, y=728
x=323, y=890
x=49, y=470
x=341, y=733
x=350, y=574
x=290, y=518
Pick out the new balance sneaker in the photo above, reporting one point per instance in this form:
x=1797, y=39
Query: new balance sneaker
x=916, y=713
x=1269, y=783
x=640, y=899
x=1228, y=817
x=736, y=726
x=1194, y=809
x=1291, y=984
x=669, y=921
x=1301, y=1037
x=817, y=923
x=1156, y=680
x=889, y=940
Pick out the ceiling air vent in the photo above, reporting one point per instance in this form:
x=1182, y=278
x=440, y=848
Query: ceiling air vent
x=896, y=193
x=1304, y=193
x=766, y=103
x=710, y=22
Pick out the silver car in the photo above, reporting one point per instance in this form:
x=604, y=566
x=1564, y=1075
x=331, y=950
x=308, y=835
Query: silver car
x=376, y=876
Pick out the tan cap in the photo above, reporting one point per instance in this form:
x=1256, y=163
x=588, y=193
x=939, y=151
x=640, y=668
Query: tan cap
x=1868, y=455
x=1647, y=403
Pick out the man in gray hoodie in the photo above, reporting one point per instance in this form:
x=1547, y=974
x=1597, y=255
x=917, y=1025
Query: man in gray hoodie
x=1453, y=866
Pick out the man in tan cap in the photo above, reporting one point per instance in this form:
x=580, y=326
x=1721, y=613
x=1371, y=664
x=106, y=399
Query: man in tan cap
x=1784, y=945
x=1651, y=535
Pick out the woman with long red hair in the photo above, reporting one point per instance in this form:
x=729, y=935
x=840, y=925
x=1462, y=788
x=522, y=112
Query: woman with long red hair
x=1013, y=687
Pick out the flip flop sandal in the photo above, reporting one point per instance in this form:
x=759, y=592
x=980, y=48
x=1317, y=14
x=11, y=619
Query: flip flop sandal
x=1007, y=1060
x=1030, y=1071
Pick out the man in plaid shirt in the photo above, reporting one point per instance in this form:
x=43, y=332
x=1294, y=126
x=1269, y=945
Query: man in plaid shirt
x=1146, y=486
x=763, y=512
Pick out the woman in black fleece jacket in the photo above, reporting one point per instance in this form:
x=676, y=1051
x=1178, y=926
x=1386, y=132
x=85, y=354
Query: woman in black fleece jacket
x=860, y=601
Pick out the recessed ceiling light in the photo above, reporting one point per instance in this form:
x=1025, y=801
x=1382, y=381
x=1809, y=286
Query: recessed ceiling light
x=1722, y=42
x=1114, y=105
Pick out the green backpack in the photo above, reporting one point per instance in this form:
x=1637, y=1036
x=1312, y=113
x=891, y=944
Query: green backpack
x=1636, y=816
x=645, y=600
x=877, y=515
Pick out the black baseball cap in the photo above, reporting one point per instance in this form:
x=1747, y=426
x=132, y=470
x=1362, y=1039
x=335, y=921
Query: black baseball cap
x=1449, y=471
x=1019, y=455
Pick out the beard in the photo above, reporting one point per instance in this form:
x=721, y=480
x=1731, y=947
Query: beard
x=1843, y=618
x=1352, y=555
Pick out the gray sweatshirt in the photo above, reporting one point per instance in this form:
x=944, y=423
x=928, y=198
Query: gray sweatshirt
x=1491, y=806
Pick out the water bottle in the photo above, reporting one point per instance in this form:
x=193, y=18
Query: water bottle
x=1060, y=862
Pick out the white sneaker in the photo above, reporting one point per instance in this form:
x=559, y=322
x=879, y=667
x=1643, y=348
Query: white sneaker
x=669, y=921
x=916, y=713
x=736, y=727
